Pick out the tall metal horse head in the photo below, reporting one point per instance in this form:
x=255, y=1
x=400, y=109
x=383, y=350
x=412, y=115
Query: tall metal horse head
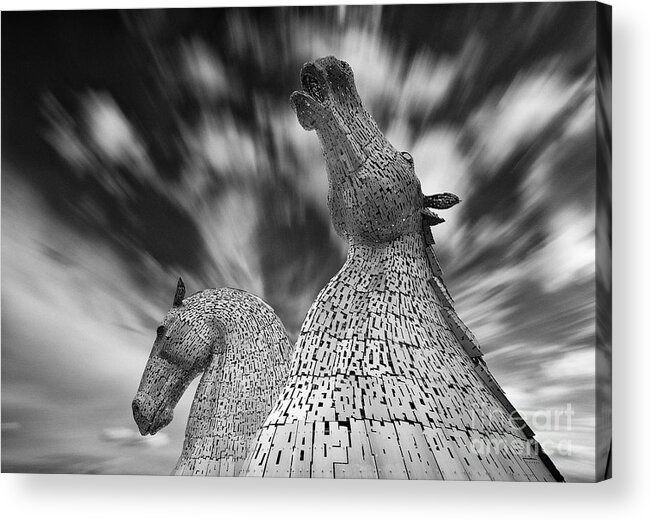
x=374, y=195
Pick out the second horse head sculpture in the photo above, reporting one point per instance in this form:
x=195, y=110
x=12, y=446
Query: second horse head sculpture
x=240, y=348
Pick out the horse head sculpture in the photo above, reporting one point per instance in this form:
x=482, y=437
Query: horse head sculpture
x=386, y=380
x=172, y=365
x=374, y=195
x=240, y=347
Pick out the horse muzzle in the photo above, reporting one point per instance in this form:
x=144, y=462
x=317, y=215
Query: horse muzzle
x=149, y=417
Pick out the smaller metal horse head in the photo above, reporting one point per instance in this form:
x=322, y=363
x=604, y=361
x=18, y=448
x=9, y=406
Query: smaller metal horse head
x=239, y=345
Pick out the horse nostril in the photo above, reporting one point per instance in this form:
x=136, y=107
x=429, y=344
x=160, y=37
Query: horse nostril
x=139, y=417
x=137, y=410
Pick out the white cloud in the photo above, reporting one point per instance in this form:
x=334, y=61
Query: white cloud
x=130, y=437
x=568, y=255
x=205, y=71
x=113, y=135
x=220, y=149
x=510, y=116
x=572, y=366
x=11, y=426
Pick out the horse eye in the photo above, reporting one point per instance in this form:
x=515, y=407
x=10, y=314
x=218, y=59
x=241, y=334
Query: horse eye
x=407, y=156
x=160, y=331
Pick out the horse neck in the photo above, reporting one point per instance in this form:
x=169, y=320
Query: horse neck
x=385, y=266
x=214, y=391
x=250, y=353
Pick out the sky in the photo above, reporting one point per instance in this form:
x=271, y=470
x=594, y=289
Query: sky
x=138, y=146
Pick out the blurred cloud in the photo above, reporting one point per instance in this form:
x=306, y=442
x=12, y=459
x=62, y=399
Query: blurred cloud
x=521, y=111
x=226, y=150
x=205, y=71
x=100, y=144
x=573, y=365
x=111, y=132
x=569, y=253
x=11, y=426
x=129, y=437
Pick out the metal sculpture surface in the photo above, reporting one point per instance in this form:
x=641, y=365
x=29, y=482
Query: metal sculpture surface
x=240, y=347
x=386, y=381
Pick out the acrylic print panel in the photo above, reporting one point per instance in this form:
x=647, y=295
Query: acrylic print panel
x=391, y=223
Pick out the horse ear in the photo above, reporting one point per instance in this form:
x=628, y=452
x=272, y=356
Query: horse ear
x=180, y=293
